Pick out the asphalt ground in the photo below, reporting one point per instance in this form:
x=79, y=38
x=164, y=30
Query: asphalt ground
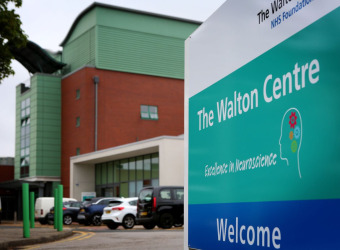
x=12, y=234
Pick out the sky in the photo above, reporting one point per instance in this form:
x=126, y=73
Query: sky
x=47, y=22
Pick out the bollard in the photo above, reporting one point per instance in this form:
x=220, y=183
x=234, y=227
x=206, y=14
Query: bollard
x=55, y=208
x=60, y=208
x=25, y=210
x=32, y=209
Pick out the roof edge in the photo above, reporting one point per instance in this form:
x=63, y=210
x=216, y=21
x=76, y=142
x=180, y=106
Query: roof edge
x=96, y=4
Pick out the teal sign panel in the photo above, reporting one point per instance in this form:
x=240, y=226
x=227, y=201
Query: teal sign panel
x=264, y=146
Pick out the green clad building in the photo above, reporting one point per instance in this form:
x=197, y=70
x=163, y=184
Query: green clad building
x=105, y=115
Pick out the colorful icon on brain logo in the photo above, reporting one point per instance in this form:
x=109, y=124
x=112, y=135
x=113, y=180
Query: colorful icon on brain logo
x=294, y=146
x=297, y=132
x=292, y=120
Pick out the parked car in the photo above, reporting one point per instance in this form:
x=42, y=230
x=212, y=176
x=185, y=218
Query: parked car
x=124, y=214
x=43, y=206
x=70, y=212
x=92, y=210
x=162, y=206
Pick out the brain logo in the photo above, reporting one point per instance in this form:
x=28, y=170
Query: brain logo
x=291, y=137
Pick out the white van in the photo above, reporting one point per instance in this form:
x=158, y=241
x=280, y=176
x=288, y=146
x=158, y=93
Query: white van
x=43, y=206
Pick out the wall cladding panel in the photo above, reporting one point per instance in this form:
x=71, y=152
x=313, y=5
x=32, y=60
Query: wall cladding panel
x=131, y=51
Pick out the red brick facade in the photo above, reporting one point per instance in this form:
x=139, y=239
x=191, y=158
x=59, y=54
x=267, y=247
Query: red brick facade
x=7, y=173
x=119, y=98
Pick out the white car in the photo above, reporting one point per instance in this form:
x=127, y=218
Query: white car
x=123, y=214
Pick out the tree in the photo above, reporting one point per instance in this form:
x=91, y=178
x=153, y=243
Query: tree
x=11, y=36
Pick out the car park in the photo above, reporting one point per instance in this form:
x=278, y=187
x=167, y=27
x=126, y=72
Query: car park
x=162, y=206
x=70, y=212
x=43, y=206
x=92, y=209
x=124, y=213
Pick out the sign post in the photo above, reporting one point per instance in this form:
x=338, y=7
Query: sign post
x=262, y=126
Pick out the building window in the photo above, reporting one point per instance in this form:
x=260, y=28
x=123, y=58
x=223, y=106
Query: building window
x=78, y=151
x=25, y=133
x=126, y=177
x=149, y=112
x=77, y=94
x=78, y=121
x=25, y=108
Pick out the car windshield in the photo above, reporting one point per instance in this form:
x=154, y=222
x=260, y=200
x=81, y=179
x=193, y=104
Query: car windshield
x=145, y=195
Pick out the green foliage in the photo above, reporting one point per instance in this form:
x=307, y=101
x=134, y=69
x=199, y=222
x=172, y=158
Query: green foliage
x=11, y=35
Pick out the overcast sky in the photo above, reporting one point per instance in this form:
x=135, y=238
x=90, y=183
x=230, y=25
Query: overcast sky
x=47, y=23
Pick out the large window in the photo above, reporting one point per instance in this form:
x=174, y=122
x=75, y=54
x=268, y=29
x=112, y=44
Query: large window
x=25, y=132
x=126, y=177
x=149, y=112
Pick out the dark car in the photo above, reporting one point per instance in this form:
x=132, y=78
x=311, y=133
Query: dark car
x=162, y=206
x=70, y=212
x=92, y=210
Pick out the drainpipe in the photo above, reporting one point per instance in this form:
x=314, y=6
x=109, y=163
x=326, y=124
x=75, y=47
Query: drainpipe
x=95, y=81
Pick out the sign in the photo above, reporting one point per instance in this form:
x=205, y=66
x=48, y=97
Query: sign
x=263, y=139
x=87, y=195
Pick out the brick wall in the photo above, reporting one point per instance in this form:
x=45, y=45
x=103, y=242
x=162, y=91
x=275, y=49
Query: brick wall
x=119, y=98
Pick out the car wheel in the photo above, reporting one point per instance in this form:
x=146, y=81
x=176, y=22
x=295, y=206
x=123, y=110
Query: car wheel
x=166, y=221
x=128, y=222
x=112, y=225
x=67, y=220
x=96, y=220
x=178, y=224
x=149, y=226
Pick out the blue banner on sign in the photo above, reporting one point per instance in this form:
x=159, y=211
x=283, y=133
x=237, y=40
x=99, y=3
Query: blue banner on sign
x=311, y=224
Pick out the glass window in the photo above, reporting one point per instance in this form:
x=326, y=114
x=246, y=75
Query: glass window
x=124, y=170
x=179, y=194
x=104, y=202
x=146, y=195
x=132, y=189
x=110, y=172
x=132, y=169
x=98, y=174
x=78, y=94
x=104, y=173
x=149, y=112
x=147, y=167
x=133, y=203
x=144, y=112
x=126, y=177
x=78, y=151
x=155, y=182
x=77, y=121
x=124, y=189
x=25, y=108
x=139, y=167
x=116, y=167
x=155, y=166
x=153, y=112
x=165, y=194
